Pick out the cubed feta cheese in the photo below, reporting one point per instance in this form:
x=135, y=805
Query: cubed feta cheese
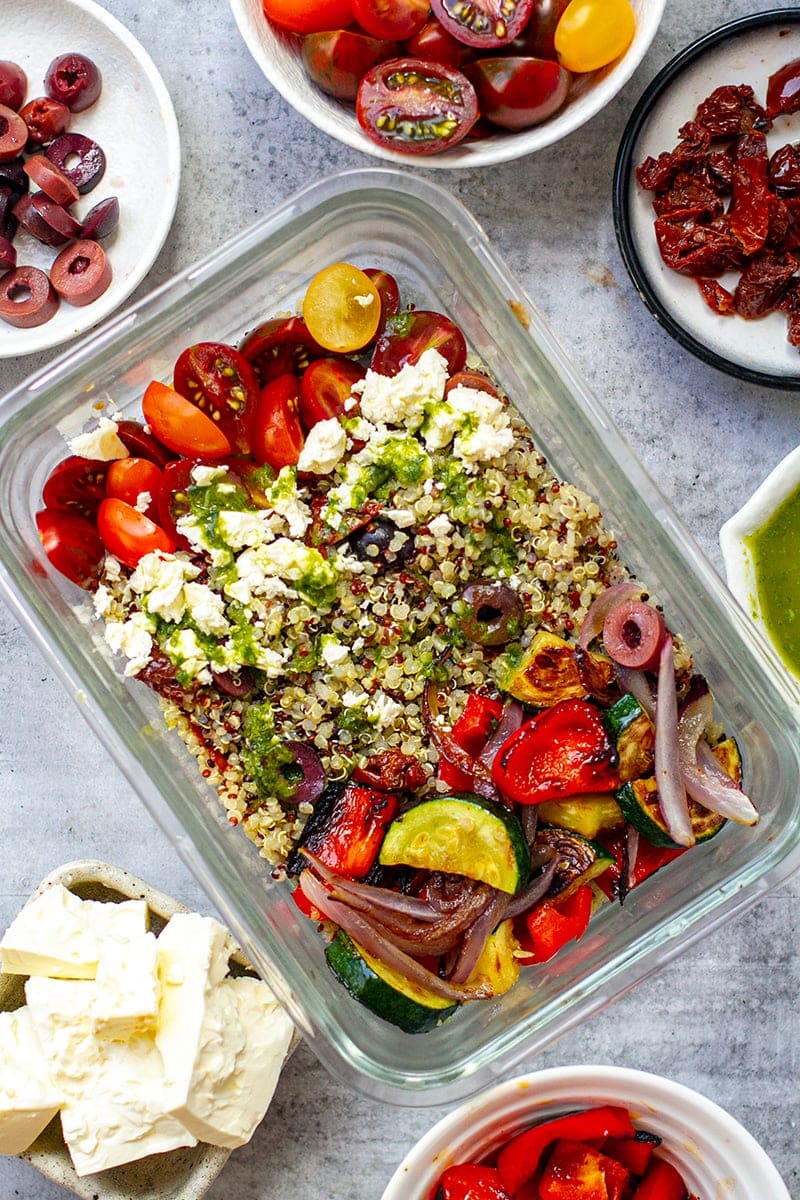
x=28, y=1097
x=125, y=1003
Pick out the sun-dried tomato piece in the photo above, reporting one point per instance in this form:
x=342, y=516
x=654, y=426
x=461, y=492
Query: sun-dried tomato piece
x=688, y=192
x=750, y=208
x=762, y=284
x=784, y=171
x=791, y=239
x=719, y=165
x=789, y=303
x=783, y=89
x=692, y=245
x=717, y=297
x=657, y=174
x=730, y=111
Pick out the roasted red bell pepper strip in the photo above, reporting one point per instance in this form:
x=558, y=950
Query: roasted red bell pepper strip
x=519, y=1159
x=471, y=1182
x=662, y=1182
x=347, y=830
x=552, y=924
x=575, y=1171
x=649, y=859
x=564, y=751
x=634, y=1153
x=471, y=732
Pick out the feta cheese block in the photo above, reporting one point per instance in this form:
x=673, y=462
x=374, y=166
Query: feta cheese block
x=127, y=990
x=59, y=935
x=28, y=1098
x=115, y=1106
x=244, y=1039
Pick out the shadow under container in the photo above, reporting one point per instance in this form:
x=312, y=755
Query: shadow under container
x=443, y=261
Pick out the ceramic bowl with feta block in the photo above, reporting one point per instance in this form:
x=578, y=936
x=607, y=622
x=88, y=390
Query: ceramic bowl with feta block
x=134, y=958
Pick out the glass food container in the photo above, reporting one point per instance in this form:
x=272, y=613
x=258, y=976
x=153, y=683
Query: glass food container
x=443, y=261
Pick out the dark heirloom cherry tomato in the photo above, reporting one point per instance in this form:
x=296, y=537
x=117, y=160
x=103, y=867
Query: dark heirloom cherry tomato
x=222, y=383
x=173, y=498
x=324, y=388
x=128, y=534
x=76, y=485
x=142, y=444
x=783, y=89
x=393, y=20
x=129, y=478
x=277, y=435
x=518, y=92
x=338, y=59
x=537, y=39
x=483, y=23
x=181, y=425
x=409, y=334
x=72, y=545
x=389, y=292
x=280, y=346
x=309, y=16
x=417, y=107
x=434, y=44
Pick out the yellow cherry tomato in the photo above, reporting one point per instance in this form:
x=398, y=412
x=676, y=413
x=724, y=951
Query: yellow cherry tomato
x=592, y=33
x=342, y=308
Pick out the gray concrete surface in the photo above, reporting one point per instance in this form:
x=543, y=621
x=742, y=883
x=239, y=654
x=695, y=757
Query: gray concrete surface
x=724, y=1017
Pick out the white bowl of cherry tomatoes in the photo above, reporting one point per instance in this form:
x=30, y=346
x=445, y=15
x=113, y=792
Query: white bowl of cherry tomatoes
x=447, y=83
x=585, y=1132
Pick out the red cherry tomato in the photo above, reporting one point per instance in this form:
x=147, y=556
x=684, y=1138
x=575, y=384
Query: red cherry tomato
x=128, y=534
x=76, y=485
x=309, y=16
x=434, y=44
x=139, y=442
x=409, y=334
x=472, y=379
x=516, y=93
x=324, y=388
x=483, y=23
x=394, y=20
x=338, y=59
x=129, y=478
x=222, y=383
x=72, y=545
x=537, y=39
x=389, y=292
x=416, y=107
x=173, y=499
x=277, y=435
x=280, y=346
x=181, y=425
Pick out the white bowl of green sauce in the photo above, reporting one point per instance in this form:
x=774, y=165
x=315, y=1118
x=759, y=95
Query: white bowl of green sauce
x=761, y=552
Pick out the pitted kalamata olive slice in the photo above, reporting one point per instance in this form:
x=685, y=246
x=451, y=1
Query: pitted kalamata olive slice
x=12, y=174
x=74, y=80
x=240, y=684
x=101, y=220
x=490, y=613
x=13, y=134
x=51, y=180
x=34, y=223
x=27, y=298
x=13, y=84
x=55, y=215
x=8, y=201
x=81, y=160
x=8, y=255
x=81, y=273
x=45, y=119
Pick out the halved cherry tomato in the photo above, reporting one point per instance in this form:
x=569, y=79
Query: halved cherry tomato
x=338, y=59
x=223, y=385
x=72, y=545
x=415, y=106
x=128, y=534
x=342, y=308
x=394, y=20
x=434, y=44
x=138, y=441
x=389, y=292
x=129, y=478
x=471, y=379
x=181, y=425
x=173, y=499
x=483, y=23
x=280, y=346
x=76, y=485
x=409, y=334
x=537, y=38
x=326, y=385
x=276, y=434
x=516, y=93
x=309, y=16
x=592, y=33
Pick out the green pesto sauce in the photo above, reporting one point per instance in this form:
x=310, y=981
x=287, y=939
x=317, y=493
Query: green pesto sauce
x=774, y=548
x=268, y=762
x=208, y=500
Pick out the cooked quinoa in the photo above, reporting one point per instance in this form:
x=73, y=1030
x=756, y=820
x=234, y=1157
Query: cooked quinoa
x=340, y=644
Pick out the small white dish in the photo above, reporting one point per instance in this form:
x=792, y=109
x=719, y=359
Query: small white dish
x=737, y=555
x=278, y=56
x=745, y=51
x=715, y=1155
x=133, y=121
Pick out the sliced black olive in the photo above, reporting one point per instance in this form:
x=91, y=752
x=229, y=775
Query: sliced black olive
x=490, y=613
x=240, y=684
x=383, y=543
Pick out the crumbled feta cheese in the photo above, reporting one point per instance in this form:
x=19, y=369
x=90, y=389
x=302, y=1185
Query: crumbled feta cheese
x=159, y=581
x=240, y=529
x=324, y=447
x=202, y=475
x=133, y=638
x=103, y=600
x=143, y=502
x=285, y=501
x=384, y=709
x=102, y=444
x=206, y=608
x=401, y=517
x=355, y=697
x=333, y=652
x=440, y=526
x=183, y=648
x=402, y=398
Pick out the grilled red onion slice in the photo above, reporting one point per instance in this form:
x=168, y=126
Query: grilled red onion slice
x=509, y=723
x=600, y=608
x=637, y=683
x=312, y=784
x=476, y=937
x=448, y=748
x=671, y=792
x=365, y=935
x=536, y=889
x=631, y=854
x=381, y=899
x=703, y=777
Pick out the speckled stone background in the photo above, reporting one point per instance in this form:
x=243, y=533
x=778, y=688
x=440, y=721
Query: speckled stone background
x=724, y=1017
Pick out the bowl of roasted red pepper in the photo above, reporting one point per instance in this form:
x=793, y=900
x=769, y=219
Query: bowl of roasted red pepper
x=707, y=198
x=587, y=1133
